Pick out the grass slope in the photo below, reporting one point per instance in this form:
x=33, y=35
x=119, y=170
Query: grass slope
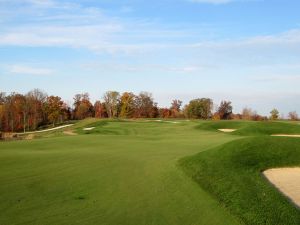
x=232, y=173
x=253, y=128
x=120, y=173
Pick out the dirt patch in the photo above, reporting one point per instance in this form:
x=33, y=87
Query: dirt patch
x=286, y=135
x=227, y=130
x=10, y=137
x=69, y=132
x=88, y=128
x=287, y=181
x=29, y=137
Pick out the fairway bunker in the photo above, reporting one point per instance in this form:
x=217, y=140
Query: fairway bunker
x=89, y=128
x=287, y=181
x=163, y=121
x=174, y=122
x=227, y=130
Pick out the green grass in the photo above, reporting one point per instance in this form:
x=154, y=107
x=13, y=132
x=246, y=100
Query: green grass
x=139, y=172
x=126, y=176
x=232, y=173
x=253, y=128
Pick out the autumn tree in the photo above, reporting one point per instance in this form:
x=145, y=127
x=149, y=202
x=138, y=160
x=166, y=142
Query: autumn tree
x=83, y=108
x=127, y=104
x=2, y=98
x=35, y=101
x=154, y=111
x=165, y=113
x=54, y=108
x=225, y=110
x=247, y=113
x=2, y=102
x=274, y=114
x=11, y=111
x=199, y=108
x=176, y=108
x=111, y=100
x=25, y=109
x=100, y=111
x=145, y=107
x=293, y=116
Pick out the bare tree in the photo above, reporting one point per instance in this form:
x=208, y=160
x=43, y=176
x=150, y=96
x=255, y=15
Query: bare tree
x=293, y=116
x=111, y=100
x=225, y=110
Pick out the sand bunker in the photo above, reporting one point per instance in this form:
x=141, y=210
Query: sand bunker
x=175, y=122
x=70, y=132
x=227, y=130
x=88, y=128
x=286, y=135
x=287, y=180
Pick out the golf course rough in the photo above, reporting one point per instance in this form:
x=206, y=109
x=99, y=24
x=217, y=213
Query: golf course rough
x=233, y=174
x=148, y=172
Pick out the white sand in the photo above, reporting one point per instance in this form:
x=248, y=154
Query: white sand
x=165, y=121
x=287, y=180
x=172, y=122
x=227, y=130
x=286, y=135
x=88, y=128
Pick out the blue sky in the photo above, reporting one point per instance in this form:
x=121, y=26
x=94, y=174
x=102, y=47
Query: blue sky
x=246, y=51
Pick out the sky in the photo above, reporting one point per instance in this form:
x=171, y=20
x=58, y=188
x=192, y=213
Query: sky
x=245, y=51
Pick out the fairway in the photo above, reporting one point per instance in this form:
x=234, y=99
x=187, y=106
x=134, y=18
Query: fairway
x=119, y=173
x=139, y=172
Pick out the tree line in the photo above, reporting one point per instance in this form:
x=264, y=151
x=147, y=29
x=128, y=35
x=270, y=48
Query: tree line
x=27, y=112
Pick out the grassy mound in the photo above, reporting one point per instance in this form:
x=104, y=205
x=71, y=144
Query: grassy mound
x=252, y=128
x=232, y=173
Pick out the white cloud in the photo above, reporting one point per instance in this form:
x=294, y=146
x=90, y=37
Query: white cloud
x=112, y=37
x=63, y=36
x=137, y=68
x=75, y=26
x=42, y=3
x=28, y=70
x=288, y=38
